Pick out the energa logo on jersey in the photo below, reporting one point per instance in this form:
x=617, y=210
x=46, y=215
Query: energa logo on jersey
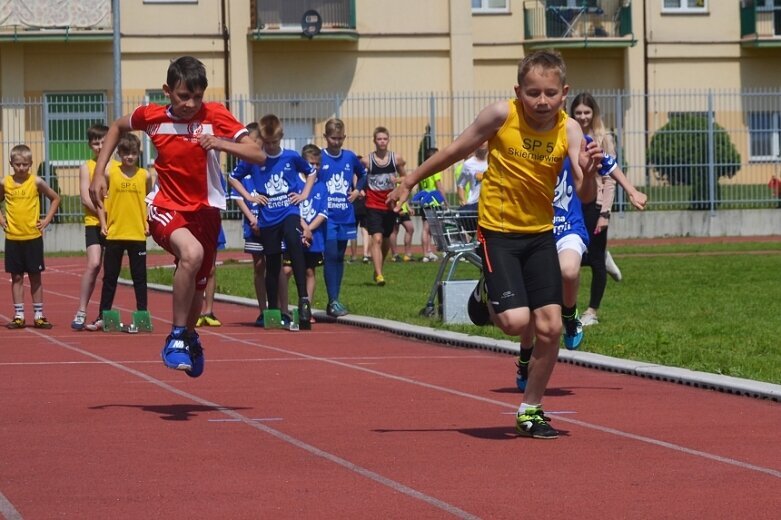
x=564, y=192
x=337, y=184
x=276, y=185
x=307, y=210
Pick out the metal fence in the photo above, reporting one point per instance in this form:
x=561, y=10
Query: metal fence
x=700, y=150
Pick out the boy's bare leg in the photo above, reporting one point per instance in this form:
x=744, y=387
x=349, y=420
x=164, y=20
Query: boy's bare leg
x=17, y=288
x=90, y=276
x=36, y=288
x=311, y=283
x=190, y=254
x=409, y=227
x=569, y=260
x=377, y=252
x=547, y=330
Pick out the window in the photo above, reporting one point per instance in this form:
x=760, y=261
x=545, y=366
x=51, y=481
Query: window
x=684, y=6
x=66, y=119
x=764, y=136
x=490, y=6
x=149, y=152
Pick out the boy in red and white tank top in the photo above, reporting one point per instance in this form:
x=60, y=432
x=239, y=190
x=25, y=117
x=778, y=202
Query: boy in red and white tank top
x=184, y=215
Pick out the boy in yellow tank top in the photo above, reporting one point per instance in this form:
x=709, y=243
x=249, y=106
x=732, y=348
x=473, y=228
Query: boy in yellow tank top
x=123, y=221
x=528, y=138
x=93, y=240
x=24, y=233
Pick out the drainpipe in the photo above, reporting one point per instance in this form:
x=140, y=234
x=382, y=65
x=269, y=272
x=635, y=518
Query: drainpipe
x=225, y=51
x=117, y=59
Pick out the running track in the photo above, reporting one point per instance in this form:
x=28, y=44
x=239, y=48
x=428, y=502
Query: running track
x=344, y=422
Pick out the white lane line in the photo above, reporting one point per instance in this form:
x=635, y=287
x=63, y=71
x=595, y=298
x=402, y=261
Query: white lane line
x=647, y=440
x=289, y=439
x=8, y=510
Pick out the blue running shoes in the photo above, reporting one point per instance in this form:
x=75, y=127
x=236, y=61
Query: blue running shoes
x=197, y=358
x=573, y=333
x=175, y=354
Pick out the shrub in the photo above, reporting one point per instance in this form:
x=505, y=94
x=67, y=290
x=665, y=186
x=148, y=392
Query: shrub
x=679, y=154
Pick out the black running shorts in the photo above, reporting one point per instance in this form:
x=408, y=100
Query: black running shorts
x=521, y=270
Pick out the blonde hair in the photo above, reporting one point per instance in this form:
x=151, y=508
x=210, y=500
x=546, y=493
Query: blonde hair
x=21, y=151
x=311, y=150
x=334, y=125
x=598, y=130
x=380, y=130
x=545, y=59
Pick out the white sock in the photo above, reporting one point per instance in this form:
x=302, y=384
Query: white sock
x=525, y=406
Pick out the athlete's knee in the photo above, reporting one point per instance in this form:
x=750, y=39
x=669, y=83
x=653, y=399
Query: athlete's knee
x=513, y=322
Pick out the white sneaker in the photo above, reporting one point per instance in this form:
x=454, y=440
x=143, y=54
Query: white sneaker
x=95, y=325
x=611, y=267
x=588, y=318
x=431, y=257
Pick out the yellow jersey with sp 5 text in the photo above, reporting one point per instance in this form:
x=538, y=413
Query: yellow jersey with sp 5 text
x=125, y=206
x=523, y=165
x=22, y=208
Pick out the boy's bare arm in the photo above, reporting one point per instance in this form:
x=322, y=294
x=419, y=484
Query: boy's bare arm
x=485, y=126
x=245, y=148
x=84, y=182
x=98, y=189
x=54, y=199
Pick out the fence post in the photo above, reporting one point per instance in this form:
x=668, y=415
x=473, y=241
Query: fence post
x=432, y=117
x=337, y=105
x=711, y=156
x=619, y=148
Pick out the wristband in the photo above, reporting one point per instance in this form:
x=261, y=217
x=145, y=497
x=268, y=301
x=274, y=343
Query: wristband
x=605, y=215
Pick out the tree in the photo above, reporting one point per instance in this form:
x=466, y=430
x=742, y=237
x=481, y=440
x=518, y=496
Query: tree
x=679, y=154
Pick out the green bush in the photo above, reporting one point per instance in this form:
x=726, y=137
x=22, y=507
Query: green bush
x=679, y=154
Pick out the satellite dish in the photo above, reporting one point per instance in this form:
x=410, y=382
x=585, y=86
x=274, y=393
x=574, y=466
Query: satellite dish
x=311, y=23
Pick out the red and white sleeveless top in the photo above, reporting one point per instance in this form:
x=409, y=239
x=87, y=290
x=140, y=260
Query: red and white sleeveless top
x=188, y=177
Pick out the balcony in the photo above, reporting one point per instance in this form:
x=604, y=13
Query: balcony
x=282, y=19
x=760, y=23
x=578, y=23
x=55, y=20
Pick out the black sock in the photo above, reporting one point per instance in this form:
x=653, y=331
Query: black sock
x=526, y=354
x=569, y=313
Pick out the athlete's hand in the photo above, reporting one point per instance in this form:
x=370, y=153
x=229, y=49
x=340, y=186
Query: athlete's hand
x=295, y=198
x=353, y=195
x=397, y=198
x=602, y=224
x=210, y=142
x=590, y=157
x=97, y=190
x=260, y=199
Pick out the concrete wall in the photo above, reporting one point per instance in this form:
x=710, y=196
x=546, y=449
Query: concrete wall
x=652, y=224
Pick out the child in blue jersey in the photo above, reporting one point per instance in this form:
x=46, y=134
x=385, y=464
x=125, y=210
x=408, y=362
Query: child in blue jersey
x=279, y=219
x=250, y=209
x=340, y=171
x=314, y=215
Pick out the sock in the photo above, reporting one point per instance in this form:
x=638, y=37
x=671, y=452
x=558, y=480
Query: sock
x=18, y=310
x=81, y=314
x=525, y=406
x=38, y=310
x=178, y=332
x=569, y=313
x=526, y=353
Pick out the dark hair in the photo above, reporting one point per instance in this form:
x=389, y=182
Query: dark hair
x=547, y=60
x=96, y=131
x=252, y=127
x=270, y=126
x=189, y=71
x=129, y=143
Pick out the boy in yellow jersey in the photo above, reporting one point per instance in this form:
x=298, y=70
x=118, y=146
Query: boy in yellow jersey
x=24, y=233
x=93, y=240
x=528, y=139
x=123, y=222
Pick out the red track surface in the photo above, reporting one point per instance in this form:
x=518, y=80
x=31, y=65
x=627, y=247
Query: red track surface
x=343, y=422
